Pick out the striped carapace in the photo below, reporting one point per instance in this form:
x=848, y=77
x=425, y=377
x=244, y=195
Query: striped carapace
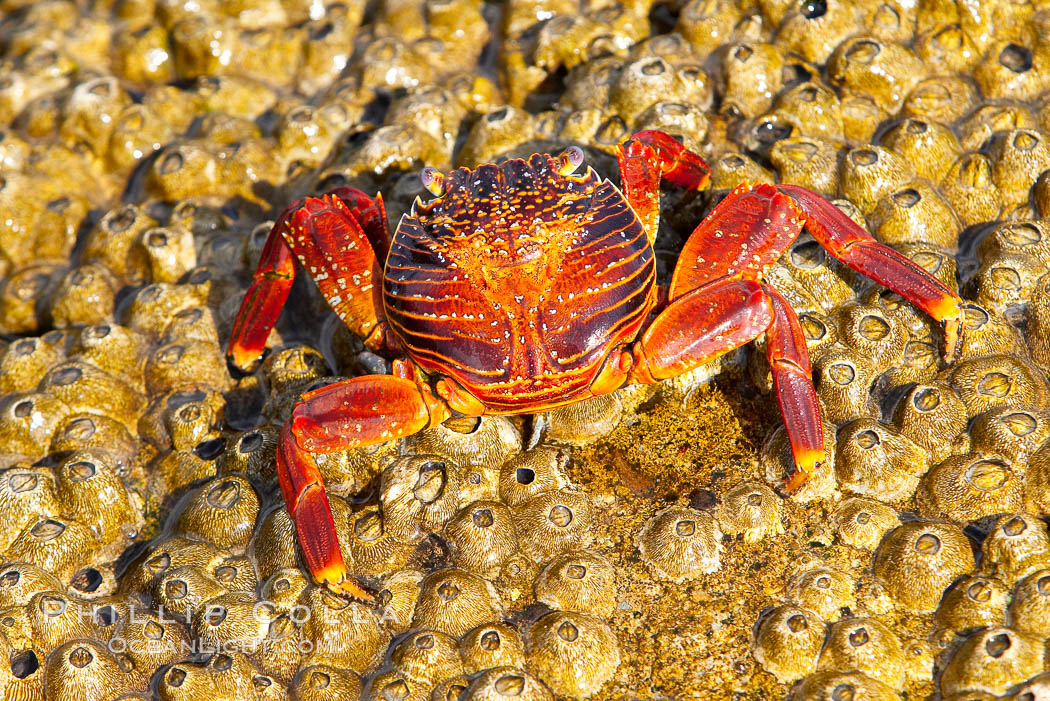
x=523, y=286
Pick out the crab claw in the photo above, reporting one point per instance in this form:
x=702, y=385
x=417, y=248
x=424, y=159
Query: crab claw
x=433, y=180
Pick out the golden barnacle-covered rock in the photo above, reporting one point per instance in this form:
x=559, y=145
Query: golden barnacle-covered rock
x=232, y=622
x=57, y=544
x=344, y=633
x=1029, y=607
x=21, y=581
x=83, y=387
x=583, y=423
x=398, y=596
x=250, y=453
x=483, y=443
x=823, y=590
x=222, y=511
x=870, y=173
x=394, y=684
x=324, y=682
x=886, y=71
x=274, y=547
x=788, y=640
x=99, y=434
x=875, y=460
x=118, y=350
x=453, y=601
x=184, y=362
x=815, y=277
x=987, y=332
x=220, y=676
x=284, y=588
x=577, y=581
x=931, y=416
x=84, y=295
x=190, y=423
x=573, y=653
x=917, y=213
x=930, y=145
x=25, y=362
x=865, y=645
x=862, y=523
x=992, y=660
x=25, y=493
x=679, y=544
x=971, y=486
x=54, y=618
x=28, y=421
x=419, y=494
x=427, y=657
x=998, y=381
x=809, y=108
x=83, y=669
x=366, y=540
x=491, y=645
x=89, y=485
x=648, y=80
x=731, y=169
x=1013, y=432
x=808, y=161
x=845, y=685
x=553, y=522
x=1007, y=281
x=146, y=573
x=533, y=472
x=501, y=683
x=482, y=536
x=916, y=561
x=150, y=639
x=751, y=510
x=185, y=589
x=776, y=464
x=871, y=333
x=1016, y=546
x=844, y=379
x=971, y=602
x=753, y=76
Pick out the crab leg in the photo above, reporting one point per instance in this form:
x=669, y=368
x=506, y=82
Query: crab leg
x=644, y=159
x=734, y=312
x=352, y=413
x=335, y=237
x=857, y=249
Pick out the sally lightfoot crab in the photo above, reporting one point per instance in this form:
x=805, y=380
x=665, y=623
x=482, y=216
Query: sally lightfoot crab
x=523, y=287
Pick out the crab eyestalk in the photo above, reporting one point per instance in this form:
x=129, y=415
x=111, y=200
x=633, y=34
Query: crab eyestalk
x=569, y=160
x=433, y=180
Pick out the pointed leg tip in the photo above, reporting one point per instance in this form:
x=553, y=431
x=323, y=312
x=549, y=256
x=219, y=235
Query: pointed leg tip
x=810, y=462
x=350, y=590
x=241, y=365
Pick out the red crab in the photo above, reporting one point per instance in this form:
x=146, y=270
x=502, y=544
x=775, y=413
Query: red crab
x=522, y=287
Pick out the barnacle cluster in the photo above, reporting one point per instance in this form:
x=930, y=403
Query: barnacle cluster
x=634, y=546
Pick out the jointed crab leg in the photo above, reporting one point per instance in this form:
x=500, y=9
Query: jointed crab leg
x=356, y=412
x=841, y=236
x=734, y=313
x=315, y=531
x=644, y=159
x=335, y=237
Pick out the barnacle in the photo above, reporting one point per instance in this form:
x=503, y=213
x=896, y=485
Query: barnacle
x=916, y=561
x=574, y=653
x=680, y=544
x=788, y=641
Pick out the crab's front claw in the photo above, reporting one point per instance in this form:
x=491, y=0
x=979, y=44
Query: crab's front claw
x=856, y=248
x=352, y=413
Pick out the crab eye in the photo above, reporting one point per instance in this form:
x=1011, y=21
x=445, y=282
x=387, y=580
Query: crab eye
x=433, y=180
x=570, y=159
